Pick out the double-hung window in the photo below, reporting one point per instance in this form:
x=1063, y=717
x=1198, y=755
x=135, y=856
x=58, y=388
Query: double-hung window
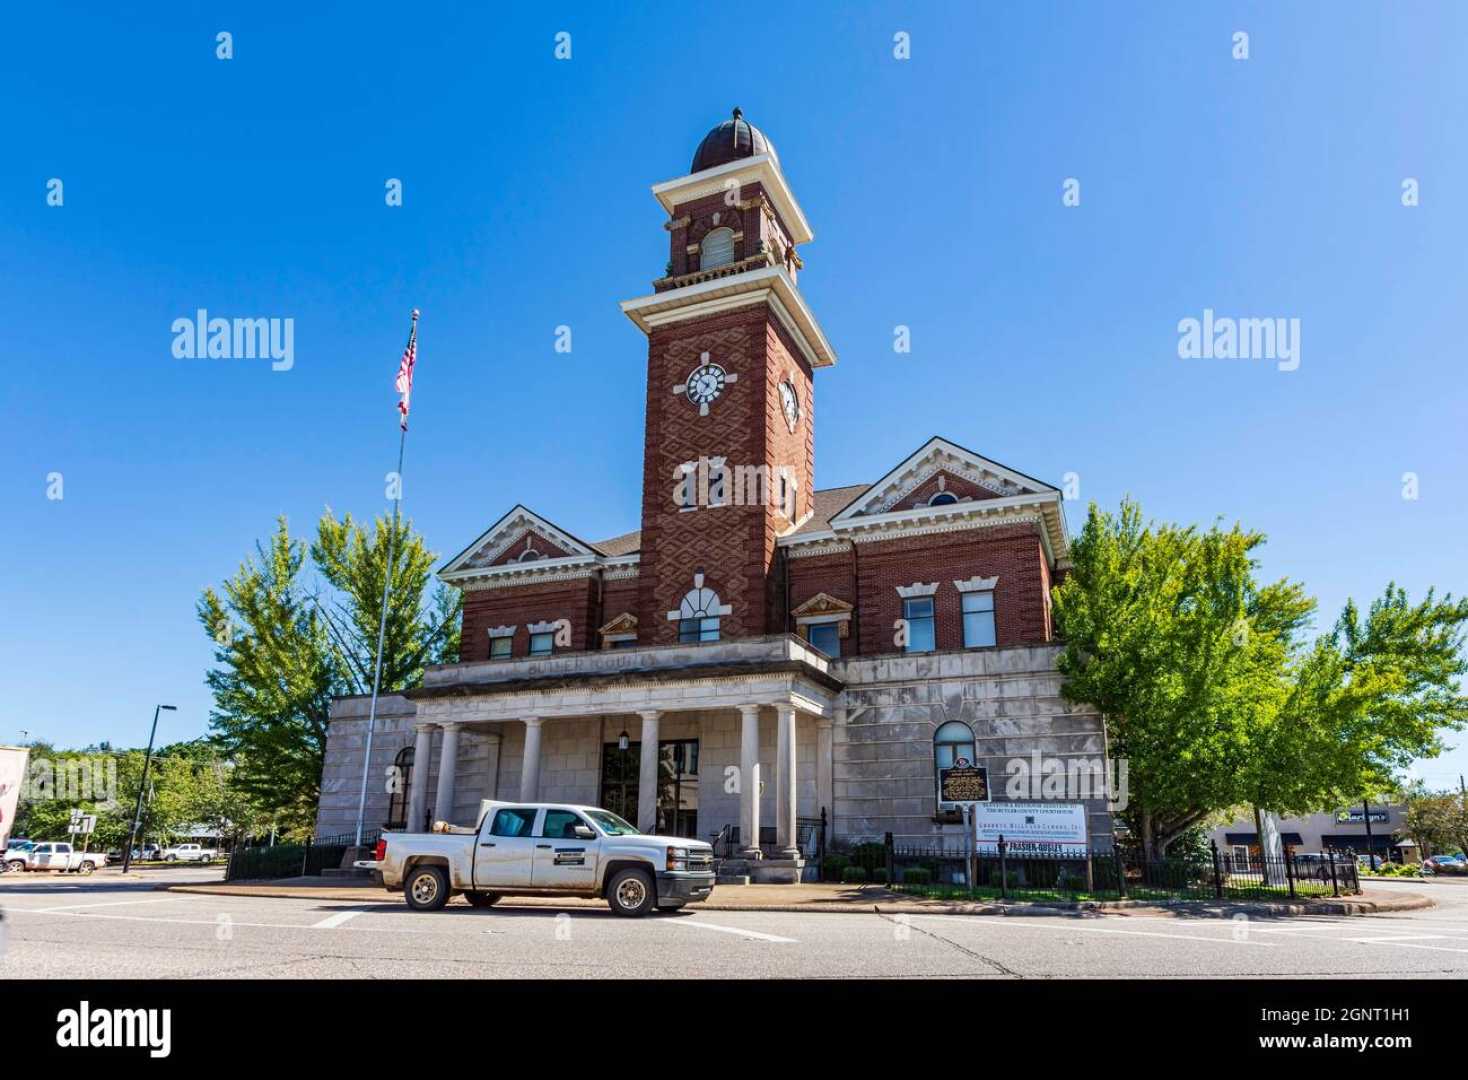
x=918, y=613
x=978, y=619
x=543, y=644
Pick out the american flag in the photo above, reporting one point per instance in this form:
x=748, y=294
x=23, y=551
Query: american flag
x=404, y=383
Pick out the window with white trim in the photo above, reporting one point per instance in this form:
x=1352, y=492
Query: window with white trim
x=543, y=644
x=825, y=636
x=978, y=619
x=918, y=613
x=953, y=746
x=501, y=648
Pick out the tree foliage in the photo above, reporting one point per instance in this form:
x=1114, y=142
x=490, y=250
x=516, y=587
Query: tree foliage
x=286, y=646
x=1213, y=696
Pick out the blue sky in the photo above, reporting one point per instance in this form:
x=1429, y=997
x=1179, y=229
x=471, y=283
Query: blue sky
x=1044, y=336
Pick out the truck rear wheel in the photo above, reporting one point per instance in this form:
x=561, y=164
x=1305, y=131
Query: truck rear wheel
x=482, y=899
x=631, y=893
x=427, y=889
x=85, y=868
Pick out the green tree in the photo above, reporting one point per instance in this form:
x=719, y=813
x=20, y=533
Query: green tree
x=1170, y=637
x=284, y=647
x=1211, y=693
x=1438, y=822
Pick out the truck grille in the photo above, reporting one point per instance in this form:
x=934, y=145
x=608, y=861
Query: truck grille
x=700, y=860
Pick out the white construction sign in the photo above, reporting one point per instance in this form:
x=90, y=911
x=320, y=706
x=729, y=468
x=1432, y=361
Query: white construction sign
x=1030, y=827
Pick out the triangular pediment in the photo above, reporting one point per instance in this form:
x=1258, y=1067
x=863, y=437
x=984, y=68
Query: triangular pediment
x=625, y=623
x=521, y=536
x=822, y=604
x=941, y=472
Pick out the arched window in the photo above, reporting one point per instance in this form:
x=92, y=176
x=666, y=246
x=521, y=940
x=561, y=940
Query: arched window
x=698, y=613
x=717, y=249
x=943, y=498
x=953, y=747
x=397, y=803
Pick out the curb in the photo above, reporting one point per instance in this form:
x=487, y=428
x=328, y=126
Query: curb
x=1406, y=902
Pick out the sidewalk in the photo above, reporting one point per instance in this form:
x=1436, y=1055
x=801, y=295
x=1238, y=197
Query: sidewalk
x=867, y=899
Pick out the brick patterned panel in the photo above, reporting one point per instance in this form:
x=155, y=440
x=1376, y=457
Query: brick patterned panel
x=1011, y=552
x=520, y=605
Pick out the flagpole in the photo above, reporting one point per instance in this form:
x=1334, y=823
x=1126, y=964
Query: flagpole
x=382, y=621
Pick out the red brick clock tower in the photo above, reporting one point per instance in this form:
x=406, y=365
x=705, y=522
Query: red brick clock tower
x=728, y=457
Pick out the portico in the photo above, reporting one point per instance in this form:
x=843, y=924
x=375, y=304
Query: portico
x=730, y=700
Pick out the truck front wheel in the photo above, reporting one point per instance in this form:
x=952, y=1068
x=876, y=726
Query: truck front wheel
x=427, y=889
x=631, y=893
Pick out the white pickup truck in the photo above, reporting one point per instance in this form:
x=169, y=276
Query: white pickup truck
x=189, y=853
x=544, y=849
x=64, y=858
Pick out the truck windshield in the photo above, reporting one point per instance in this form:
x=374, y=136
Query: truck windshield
x=610, y=823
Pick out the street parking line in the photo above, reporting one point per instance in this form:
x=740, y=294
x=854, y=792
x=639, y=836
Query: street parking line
x=773, y=938
x=1011, y=923
x=331, y=922
x=66, y=908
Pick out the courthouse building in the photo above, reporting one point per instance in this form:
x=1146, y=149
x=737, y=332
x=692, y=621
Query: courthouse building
x=762, y=653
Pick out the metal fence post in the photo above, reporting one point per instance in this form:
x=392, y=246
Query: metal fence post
x=306, y=857
x=1120, y=869
x=1290, y=872
x=1003, y=871
x=1335, y=885
x=891, y=860
x=1217, y=871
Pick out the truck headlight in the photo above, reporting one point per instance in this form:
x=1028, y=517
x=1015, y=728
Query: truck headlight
x=677, y=858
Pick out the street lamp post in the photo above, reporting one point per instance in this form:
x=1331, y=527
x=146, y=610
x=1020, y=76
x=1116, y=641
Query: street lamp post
x=1370, y=844
x=127, y=852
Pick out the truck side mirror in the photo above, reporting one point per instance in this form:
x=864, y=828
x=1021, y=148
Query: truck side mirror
x=584, y=832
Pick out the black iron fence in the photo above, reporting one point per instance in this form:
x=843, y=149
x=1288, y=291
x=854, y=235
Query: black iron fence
x=810, y=840
x=1011, y=871
x=294, y=860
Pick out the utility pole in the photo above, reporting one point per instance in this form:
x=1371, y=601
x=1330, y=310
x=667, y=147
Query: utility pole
x=1370, y=847
x=127, y=852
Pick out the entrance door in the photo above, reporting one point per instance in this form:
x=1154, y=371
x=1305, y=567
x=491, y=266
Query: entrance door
x=677, y=784
x=506, y=850
x=564, y=860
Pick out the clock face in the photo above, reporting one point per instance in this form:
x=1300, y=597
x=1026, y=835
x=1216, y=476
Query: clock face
x=790, y=403
x=705, y=384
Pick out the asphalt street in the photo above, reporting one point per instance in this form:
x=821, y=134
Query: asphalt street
x=110, y=927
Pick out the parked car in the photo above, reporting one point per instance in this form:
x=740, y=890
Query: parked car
x=15, y=855
x=190, y=853
x=1446, y=864
x=63, y=858
x=1316, y=864
x=545, y=849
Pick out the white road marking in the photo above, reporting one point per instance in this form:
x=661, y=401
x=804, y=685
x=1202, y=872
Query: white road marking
x=331, y=922
x=1408, y=945
x=67, y=908
x=1011, y=923
x=729, y=930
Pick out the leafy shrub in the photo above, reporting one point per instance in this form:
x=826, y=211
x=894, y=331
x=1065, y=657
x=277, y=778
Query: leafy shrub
x=854, y=875
x=833, y=866
x=917, y=875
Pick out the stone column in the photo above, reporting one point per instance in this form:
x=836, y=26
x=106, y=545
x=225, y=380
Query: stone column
x=418, y=784
x=530, y=764
x=785, y=834
x=647, y=773
x=448, y=763
x=825, y=765
x=749, y=782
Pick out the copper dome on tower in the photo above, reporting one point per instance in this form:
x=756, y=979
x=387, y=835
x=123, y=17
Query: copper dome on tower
x=735, y=138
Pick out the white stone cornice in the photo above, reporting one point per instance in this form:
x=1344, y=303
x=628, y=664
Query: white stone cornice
x=917, y=588
x=760, y=168
x=977, y=584
x=502, y=631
